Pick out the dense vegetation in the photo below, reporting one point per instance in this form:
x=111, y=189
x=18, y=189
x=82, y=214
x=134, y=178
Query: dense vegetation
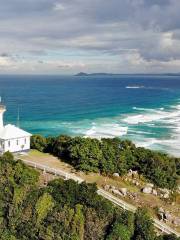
x=64, y=210
x=109, y=156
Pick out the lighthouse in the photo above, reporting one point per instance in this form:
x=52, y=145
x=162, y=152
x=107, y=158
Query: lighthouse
x=12, y=138
x=2, y=110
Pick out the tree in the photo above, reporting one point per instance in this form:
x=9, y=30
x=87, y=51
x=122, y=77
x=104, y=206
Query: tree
x=109, y=156
x=44, y=204
x=177, y=162
x=59, y=146
x=85, y=154
x=95, y=225
x=144, y=229
x=64, y=210
x=167, y=237
x=127, y=219
x=170, y=237
x=119, y=232
x=78, y=223
x=16, y=181
x=108, y=160
x=7, y=156
x=38, y=142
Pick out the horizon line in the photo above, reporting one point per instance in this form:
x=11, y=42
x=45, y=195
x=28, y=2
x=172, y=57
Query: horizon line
x=85, y=74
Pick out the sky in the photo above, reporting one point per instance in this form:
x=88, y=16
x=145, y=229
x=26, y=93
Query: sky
x=70, y=36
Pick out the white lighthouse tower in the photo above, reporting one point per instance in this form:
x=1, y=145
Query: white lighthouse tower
x=2, y=110
x=12, y=138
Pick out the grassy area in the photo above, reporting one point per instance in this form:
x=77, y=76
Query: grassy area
x=46, y=159
x=148, y=200
x=35, y=153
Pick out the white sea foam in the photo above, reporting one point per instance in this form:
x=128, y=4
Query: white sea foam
x=134, y=86
x=140, y=132
x=170, y=146
x=149, y=88
x=106, y=130
x=152, y=115
x=147, y=142
x=144, y=109
x=148, y=109
x=150, y=124
x=130, y=126
x=142, y=118
x=167, y=119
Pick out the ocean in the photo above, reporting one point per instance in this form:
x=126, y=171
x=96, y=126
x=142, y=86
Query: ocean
x=142, y=108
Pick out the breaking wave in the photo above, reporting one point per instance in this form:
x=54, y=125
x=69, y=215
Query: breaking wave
x=157, y=129
x=135, y=87
x=152, y=115
x=106, y=131
x=153, y=121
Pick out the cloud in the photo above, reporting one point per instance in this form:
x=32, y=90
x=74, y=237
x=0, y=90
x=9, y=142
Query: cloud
x=58, y=7
x=4, y=62
x=65, y=36
x=4, y=54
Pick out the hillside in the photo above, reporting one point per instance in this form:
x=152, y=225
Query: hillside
x=109, y=156
x=62, y=210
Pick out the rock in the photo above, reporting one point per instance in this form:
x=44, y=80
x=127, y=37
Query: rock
x=164, y=190
x=150, y=185
x=161, y=213
x=176, y=221
x=134, y=181
x=161, y=216
x=113, y=188
x=147, y=190
x=117, y=192
x=132, y=173
x=178, y=189
x=129, y=173
x=132, y=195
x=137, y=183
x=168, y=217
x=107, y=187
x=166, y=195
x=123, y=191
x=135, y=196
x=154, y=192
x=115, y=174
x=161, y=210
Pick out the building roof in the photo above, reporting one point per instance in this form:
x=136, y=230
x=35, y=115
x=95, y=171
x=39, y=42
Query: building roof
x=10, y=132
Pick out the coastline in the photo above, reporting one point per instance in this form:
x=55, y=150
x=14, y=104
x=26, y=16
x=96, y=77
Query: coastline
x=101, y=107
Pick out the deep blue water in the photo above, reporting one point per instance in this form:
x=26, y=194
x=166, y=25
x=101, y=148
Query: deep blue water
x=145, y=109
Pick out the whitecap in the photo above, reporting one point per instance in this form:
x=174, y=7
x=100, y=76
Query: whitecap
x=136, y=87
x=140, y=132
x=148, y=142
x=106, y=130
x=161, y=118
x=151, y=117
x=145, y=109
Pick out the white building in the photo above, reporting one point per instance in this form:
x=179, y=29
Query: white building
x=12, y=138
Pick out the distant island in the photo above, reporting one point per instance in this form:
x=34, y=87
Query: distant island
x=83, y=74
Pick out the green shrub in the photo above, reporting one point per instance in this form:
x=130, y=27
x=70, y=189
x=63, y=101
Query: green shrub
x=38, y=142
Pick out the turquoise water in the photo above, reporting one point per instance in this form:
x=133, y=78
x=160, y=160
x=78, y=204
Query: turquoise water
x=145, y=109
